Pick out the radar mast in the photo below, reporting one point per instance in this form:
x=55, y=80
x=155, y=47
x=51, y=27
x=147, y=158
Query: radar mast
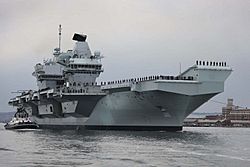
x=57, y=51
x=60, y=36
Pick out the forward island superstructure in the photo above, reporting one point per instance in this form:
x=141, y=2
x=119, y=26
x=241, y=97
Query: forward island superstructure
x=69, y=97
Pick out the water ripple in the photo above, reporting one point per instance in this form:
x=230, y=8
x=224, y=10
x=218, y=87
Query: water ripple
x=192, y=147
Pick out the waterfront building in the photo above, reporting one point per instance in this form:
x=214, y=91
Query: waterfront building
x=232, y=116
x=232, y=112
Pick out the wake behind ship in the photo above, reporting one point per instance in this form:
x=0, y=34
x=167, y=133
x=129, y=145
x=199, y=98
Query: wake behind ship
x=68, y=96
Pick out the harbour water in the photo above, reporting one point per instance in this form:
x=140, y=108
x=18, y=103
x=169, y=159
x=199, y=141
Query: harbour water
x=194, y=146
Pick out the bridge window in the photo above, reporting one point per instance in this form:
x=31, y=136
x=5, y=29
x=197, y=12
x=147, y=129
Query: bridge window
x=51, y=109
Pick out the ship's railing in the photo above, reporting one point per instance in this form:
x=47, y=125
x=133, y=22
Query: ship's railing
x=148, y=78
x=211, y=63
x=50, y=77
x=79, y=89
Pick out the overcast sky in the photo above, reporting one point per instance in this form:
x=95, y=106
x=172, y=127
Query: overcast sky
x=137, y=38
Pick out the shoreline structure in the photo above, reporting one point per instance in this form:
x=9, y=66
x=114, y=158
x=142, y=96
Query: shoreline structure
x=231, y=116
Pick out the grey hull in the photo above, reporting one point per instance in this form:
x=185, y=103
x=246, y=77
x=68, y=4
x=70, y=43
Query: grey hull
x=111, y=127
x=153, y=108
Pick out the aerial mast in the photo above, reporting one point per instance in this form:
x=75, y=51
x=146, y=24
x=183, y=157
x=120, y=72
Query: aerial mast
x=60, y=36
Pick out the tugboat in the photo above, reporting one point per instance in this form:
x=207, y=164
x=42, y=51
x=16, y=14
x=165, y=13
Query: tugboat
x=21, y=120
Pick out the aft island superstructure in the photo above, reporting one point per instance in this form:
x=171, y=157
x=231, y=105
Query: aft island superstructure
x=69, y=97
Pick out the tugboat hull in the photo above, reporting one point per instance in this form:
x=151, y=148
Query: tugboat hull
x=22, y=126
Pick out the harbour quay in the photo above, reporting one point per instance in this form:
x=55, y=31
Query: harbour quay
x=231, y=116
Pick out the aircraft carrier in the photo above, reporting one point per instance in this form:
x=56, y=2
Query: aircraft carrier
x=68, y=96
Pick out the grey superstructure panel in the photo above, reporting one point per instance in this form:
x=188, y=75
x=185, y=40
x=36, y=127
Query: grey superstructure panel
x=85, y=103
